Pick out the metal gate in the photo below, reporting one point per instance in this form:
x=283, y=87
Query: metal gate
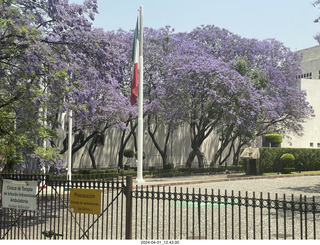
x=53, y=219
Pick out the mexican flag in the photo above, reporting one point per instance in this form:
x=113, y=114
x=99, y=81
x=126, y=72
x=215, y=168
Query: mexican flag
x=135, y=59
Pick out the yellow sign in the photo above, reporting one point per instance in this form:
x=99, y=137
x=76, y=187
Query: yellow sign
x=85, y=201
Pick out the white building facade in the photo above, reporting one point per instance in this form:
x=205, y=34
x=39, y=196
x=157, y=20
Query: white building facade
x=310, y=83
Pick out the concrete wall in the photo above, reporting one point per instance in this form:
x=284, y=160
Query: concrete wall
x=310, y=62
x=311, y=133
x=178, y=150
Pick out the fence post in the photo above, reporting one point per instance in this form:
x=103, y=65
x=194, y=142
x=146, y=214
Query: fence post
x=128, y=193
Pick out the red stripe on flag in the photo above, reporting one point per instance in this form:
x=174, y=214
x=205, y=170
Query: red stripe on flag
x=135, y=58
x=134, y=84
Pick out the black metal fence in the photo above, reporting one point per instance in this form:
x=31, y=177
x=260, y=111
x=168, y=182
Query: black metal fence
x=171, y=213
x=160, y=213
x=53, y=218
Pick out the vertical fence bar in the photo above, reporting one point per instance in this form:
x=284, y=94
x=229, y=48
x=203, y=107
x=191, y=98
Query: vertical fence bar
x=81, y=184
x=292, y=214
x=147, y=211
x=102, y=204
x=58, y=187
x=45, y=211
x=163, y=211
x=301, y=218
x=107, y=218
x=112, y=213
x=269, y=216
x=2, y=215
x=247, y=218
x=158, y=213
x=181, y=220
x=212, y=214
x=199, y=212
x=64, y=213
x=193, y=213
x=175, y=213
x=206, y=215
x=225, y=215
x=187, y=216
x=117, y=210
x=254, y=214
x=169, y=209
x=232, y=215
x=128, y=193
x=261, y=216
x=314, y=210
x=306, y=218
x=284, y=217
x=55, y=209
x=152, y=210
x=67, y=213
x=122, y=206
x=239, y=204
x=219, y=218
x=277, y=213
x=136, y=212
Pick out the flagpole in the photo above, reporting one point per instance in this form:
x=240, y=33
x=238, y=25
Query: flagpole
x=69, y=145
x=140, y=104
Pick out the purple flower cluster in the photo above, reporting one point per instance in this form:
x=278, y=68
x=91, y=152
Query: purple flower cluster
x=52, y=60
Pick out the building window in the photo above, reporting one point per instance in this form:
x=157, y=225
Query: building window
x=318, y=145
x=311, y=144
x=306, y=75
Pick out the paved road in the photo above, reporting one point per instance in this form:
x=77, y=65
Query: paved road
x=309, y=186
x=305, y=185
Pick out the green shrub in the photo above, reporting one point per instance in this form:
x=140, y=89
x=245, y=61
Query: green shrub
x=220, y=168
x=143, y=155
x=288, y=170
x=273, y=138
x=129, y=153
x=270, y=158
x=152, y=168
x=168, y=166
x=287, y=159
x=84, y=171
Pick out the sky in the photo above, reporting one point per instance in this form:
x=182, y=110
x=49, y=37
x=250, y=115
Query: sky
x=288, y=21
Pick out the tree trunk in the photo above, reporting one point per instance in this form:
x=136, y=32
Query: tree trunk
x=218, y=154
x=152, y=134
x=195, y=152
x=236, y=157
x=92, y=149
x=191, y=156
x=124, y=141
x=200, y=157
x=163, y=152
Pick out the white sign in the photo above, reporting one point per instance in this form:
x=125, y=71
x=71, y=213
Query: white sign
x=19, y=194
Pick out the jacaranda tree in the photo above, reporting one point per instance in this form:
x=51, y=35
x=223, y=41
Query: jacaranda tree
x=54, y=60
x=202, y=82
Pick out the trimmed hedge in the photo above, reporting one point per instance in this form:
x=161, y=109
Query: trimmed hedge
x=192, y=171
x=273, y=138
x=287, y=160
x=270, y=159
x=129, y=153
x=113, y=173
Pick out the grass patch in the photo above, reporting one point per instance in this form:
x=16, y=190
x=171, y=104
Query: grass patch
x=293, y=173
